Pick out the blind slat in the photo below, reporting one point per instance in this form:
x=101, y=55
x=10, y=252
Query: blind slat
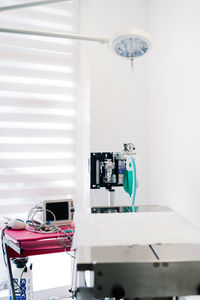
x=37, y=81
x=8, y=193
x=16, y=102
x=51, y=68
x=43, y=15
x=36, y=95
x=15, y=163
x=69, y=9
x=45, y=26
x=35, y=118
x=45, y=45
x=13, y=140
x=37, y=148
x=10, y=132
x=38, y=170
x=37, y=185
x=15, y=110
x=50, y=77
x=36, y=55
x=36, y=155
x=20, y=87
x=36, y=177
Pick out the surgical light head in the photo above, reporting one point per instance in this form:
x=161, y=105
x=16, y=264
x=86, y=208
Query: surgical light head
x=130, y=44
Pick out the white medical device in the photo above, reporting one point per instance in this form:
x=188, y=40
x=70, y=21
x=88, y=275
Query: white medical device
x=15, y=223
x=59, y=212
x=113, y=169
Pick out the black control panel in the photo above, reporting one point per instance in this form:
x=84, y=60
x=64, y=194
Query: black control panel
x=107, y=169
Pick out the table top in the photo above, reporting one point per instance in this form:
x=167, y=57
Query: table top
x=128, y=238
x=140, y=228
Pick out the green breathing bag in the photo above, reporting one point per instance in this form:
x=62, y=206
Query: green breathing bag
x=128, y=182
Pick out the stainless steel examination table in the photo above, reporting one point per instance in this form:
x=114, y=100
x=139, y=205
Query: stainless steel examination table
x=154, y=253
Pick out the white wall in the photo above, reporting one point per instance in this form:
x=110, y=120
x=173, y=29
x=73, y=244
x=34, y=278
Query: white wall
x=174, y=105
x=158, y=107
x=118, y=97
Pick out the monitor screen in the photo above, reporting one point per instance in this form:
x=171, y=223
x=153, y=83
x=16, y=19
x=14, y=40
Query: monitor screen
x=59, y=209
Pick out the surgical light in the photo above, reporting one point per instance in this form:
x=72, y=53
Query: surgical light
x=128, y=44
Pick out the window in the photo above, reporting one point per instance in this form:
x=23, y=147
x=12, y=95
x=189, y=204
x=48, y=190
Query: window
x=38, y=101
x=39, y=109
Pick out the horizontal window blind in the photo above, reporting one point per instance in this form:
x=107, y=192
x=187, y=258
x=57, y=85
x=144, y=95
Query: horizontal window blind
x=38, y=106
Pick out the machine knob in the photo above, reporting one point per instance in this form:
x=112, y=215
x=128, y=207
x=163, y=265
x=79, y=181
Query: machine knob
x=118, y=292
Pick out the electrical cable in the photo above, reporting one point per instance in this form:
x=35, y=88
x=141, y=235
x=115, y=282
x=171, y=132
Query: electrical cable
x=52, y=228
x=3, y=250
x=70, y=255
x=64, y=243
x=25, y=270
x=37, y=226
x=19, y=285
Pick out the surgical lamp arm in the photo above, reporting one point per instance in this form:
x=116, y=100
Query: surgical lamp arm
x=73, y=36
x=30, y=4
